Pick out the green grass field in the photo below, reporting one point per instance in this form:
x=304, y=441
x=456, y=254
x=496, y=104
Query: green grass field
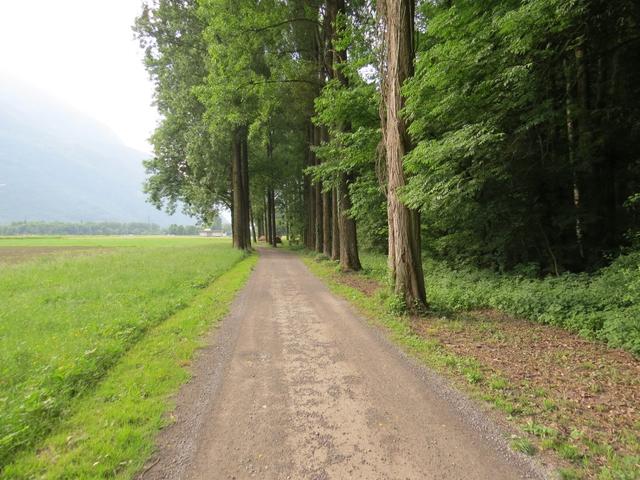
x=69, y=320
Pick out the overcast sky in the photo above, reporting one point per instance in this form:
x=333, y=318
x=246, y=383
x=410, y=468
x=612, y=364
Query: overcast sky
x=83, y=53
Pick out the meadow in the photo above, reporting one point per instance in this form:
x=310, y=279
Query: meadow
x=69, y=316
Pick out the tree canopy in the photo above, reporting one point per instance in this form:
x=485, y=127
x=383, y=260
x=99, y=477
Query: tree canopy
x=502, y=133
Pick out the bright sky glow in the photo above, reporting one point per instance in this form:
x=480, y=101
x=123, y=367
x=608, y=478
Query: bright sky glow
x=83, y=53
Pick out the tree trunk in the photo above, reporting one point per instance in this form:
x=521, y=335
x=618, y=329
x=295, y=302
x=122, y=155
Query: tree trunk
x=261, y=226
x=326, y=210
x=405, y=262
x=239, y=217
x=274, y=230
x=310, y=197
x=268, y=217
x=349, y=259
x=265, y=218
x=326, y=224
x=244, y=158
x=319, y=209
x=335, y=226
x=253, y=225
x=571, y=149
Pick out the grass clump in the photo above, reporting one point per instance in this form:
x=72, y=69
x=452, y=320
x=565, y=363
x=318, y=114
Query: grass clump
x=523, y=445
x=498, y=383
x=66, y=321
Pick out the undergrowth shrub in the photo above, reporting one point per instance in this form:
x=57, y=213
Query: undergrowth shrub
x=603, y=306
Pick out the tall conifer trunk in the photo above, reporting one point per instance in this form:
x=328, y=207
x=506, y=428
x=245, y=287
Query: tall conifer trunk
x=319, y=209
x=572, y=147
x=274, y=231
x=244, y=165
x=335, y=226
x=349, y=258
x=326, y=224
x=310, y=197
x=239, y=177
x=405, y=262
x=253, y=225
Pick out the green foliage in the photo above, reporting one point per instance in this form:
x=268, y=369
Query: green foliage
x=396, y=305
x=604, y=305
x=498, y=86
x=498, y=383
x=67, y=321
x=349, y=112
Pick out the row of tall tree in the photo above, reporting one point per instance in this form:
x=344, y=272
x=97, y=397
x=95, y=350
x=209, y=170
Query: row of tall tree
x=498, y=132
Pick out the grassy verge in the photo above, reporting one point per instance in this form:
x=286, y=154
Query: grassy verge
x=112, y=430
x=582, y=444
x=67, y=320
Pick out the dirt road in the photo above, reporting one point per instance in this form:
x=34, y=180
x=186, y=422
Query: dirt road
x=296, y=386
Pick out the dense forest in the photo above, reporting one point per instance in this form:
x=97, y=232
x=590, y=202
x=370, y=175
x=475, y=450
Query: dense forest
x=503, y=134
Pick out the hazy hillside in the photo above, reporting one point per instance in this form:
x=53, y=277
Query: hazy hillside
x=58, y=164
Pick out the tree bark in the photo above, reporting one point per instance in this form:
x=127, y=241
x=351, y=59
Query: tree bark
x=310, y=221
x=246, y=217
x=348, y=248
x=405, y=262
x=265, y=218
x=349, y=259
x=239, y=211
x=319, y=209
x=335, y=226
x=326, y=210
x=571, y=149
x=326, y=224
x=268, y=217
x=253, y=225
x=261, y=226
x=274, y=230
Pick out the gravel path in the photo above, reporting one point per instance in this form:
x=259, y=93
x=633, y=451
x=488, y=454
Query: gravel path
x=295, y=385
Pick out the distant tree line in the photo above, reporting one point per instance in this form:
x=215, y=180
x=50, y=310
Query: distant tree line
x=95, y=228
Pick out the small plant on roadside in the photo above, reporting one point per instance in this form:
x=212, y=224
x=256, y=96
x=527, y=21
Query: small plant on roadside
x=568, y=451
x=396, y=305
x=549, y=405
x=569, y=474
x=523, y=445
x=473, y=375
x=539, y=430
x=498, y=383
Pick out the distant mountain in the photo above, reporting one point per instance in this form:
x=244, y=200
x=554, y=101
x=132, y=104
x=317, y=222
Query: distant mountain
x=60, y=165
